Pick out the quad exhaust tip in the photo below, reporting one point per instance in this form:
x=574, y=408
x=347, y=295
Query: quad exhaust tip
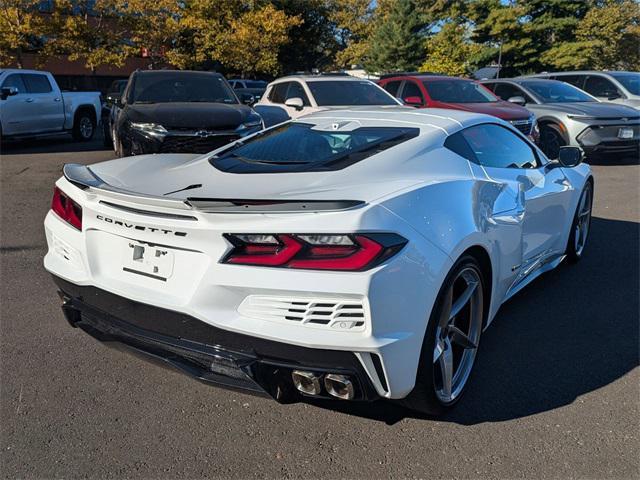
x=336, y=385
x=339, y=386
x=306, y=382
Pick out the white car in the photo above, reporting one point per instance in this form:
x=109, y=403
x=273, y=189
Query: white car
x=31, y=104
x=300, y=95
x=353, y=254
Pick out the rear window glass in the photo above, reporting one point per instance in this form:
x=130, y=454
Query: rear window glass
x=342, y=93
x=298, y=147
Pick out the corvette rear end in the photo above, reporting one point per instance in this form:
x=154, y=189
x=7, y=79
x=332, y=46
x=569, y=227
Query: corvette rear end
x=274, y=294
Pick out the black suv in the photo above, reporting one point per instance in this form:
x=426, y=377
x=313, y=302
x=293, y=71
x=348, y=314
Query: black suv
x=170, y=111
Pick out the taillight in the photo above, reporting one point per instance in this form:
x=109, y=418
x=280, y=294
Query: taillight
x=346, y=252
x=66, y=209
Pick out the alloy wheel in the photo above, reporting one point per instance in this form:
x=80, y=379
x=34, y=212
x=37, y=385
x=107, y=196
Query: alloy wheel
x=457, y=335
x=86, y=127
x=583, y=221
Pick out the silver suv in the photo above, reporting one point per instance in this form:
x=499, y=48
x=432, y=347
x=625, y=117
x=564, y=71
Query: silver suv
x=568, y=116
x=618, y=87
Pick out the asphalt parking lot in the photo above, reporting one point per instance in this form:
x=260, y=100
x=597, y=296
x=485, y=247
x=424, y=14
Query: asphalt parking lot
x=556, y=391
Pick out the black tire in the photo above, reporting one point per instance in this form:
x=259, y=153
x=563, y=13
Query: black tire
x=84, y=126
x=120, y=149
x=551, y=139
x=423, y=397
x=106, y=135
x=575, y=250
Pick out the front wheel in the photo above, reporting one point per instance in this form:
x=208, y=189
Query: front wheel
x=581, y=225
x=451, y=342
x=551, y=139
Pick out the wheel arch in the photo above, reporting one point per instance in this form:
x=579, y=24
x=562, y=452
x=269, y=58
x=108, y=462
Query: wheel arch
x=82, y=109
x=555, y=122
x=486, y=268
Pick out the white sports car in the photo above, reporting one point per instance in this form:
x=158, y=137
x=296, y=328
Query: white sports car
x=354, y=254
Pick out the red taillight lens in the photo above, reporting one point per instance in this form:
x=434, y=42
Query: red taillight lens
x=66, y=209
x=314, y=252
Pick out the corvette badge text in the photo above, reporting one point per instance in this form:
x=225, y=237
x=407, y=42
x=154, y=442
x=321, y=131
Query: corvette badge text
x=140, y=227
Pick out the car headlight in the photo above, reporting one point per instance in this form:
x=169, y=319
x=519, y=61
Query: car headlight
x=252, y=124
x=152, y=129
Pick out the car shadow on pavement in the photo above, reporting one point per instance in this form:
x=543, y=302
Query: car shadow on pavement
x=53, y=144
x=572, y=331
x=614, y=160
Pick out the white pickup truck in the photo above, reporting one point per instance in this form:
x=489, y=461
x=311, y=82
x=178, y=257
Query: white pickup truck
x=31, y=104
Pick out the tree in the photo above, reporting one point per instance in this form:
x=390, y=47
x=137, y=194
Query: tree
x=397, y=43
x=22, y=26
x=607, y=38
x=353, y=21
x=450, y=51
x=96, y=32
x=154, y=27
x=253, y=40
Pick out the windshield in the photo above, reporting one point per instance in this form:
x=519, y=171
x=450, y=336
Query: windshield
x=458, y=91
x=341, y=92
x=300, y=147
x=181, y=87
x=630, y=81
x=552, y=91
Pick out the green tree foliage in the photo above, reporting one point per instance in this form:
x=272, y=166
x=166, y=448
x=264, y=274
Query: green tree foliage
x=397, y=42
x=607, y=38
x=270, y=37
x=95, y=32
x=353, y=21
x=450, y=52
x=253, y=41
x=21, y=28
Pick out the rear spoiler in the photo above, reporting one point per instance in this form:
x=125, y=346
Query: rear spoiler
x=86, y=179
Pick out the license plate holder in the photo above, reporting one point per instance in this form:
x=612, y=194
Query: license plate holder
x=148, y=260
x=625, y=133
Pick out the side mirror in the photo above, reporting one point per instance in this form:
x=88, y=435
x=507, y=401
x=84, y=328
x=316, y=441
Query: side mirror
x=247, y=98
x=6, y=92
x=518, y=100
x=570, y=156
x=295, y=102
x=613, y=95
x=413, y=101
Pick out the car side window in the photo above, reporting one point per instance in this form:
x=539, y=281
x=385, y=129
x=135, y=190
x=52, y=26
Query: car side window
x=492, y=145
x=575, y=80
x=15, y=80
x=410, y=89
x=600, y=87
x=296, y=90
x=278, y=92
x=392, y=87
x=505, y=91
x=37, y=83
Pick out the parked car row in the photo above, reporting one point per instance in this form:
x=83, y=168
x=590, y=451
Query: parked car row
x=188, y=111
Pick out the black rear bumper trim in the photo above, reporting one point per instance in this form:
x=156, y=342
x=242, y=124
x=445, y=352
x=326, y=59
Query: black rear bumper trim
x=205, y=352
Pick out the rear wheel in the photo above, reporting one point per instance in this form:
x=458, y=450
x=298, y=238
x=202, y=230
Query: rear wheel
x=451, y=342
x=581, y=225
x=551, y=139
x=84, y=126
